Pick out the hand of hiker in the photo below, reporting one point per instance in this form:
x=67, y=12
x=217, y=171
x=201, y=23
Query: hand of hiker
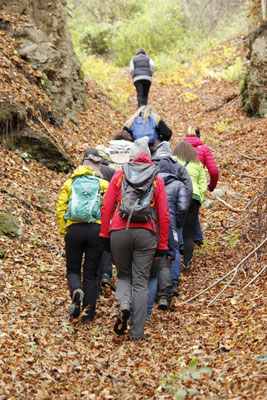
x=104, y=244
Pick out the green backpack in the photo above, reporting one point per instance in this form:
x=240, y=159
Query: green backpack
x=85, y=200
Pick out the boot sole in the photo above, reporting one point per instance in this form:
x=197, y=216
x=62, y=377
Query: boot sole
x=121, y=323
x=75, y=301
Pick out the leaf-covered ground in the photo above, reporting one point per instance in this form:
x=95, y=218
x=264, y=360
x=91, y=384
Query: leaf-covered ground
x=44, y=355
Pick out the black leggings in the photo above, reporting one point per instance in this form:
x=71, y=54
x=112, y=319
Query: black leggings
x=188, y=230
x=142, y=89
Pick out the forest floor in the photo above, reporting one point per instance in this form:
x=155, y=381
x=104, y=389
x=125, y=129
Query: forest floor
x=195, y=349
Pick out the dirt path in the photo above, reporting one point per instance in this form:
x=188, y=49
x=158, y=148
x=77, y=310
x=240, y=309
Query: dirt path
x=44, y=356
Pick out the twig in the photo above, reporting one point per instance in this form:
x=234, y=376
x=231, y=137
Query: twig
x=50, y=133
x=229, y=273
x=249, y=157
x=255, y=277
x=225, y=287
x=237, y=210
x=246, y=176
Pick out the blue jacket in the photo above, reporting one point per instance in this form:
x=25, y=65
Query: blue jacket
x=177, y=200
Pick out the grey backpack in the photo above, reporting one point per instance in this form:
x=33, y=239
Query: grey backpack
x=137, y=191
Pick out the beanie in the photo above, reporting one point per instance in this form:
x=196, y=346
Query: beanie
x=140, y=146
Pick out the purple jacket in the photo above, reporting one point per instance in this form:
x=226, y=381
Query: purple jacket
x=205, y=156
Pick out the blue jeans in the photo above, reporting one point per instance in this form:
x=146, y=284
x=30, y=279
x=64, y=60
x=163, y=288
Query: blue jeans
x=176, y=266
x=198, y=234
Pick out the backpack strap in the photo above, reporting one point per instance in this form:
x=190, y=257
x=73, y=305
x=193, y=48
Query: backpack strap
x=186, y=164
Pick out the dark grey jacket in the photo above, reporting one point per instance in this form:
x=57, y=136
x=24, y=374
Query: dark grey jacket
x=142, y=67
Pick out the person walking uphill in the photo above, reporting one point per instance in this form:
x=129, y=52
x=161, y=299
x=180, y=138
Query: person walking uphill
x=131, y=234
x=142, y=68
x=205, y=156
x=185, y=154
x=78, y=215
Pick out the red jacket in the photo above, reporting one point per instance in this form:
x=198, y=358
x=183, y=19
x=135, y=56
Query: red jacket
x=112, y=197
x=205, y=156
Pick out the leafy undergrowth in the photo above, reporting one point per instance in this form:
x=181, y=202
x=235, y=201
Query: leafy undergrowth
x=193, y=350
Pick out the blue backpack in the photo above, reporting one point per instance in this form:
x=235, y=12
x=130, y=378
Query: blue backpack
x=85, y=200
x=139, y=129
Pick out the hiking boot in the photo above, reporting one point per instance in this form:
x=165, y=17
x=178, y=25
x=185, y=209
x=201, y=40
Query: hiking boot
x=163, y=303
x=198, y=243
x=188, y=265
x=123, y=316
x=106, y=281
x=75, y=307
x=175, y=291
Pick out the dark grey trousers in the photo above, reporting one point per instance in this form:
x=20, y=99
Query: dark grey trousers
x=133, y=251
x=165, y=279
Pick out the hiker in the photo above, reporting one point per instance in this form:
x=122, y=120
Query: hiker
x=185, y=154
x=78, y=215
x=164, y=152
x=205, y=156
x=178, y=205
x=134, y=244
x=146, y=122
x=142, y=68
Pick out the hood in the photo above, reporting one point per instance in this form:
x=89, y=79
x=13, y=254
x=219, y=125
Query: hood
x=163, y=150
x=143, y=158
x=168, y=178
x=193, y=140
x=83, y=170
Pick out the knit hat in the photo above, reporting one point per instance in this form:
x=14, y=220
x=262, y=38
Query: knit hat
x=140, y=146
x=164, y=150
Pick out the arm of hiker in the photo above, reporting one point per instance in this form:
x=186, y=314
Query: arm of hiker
x=62, y=205
x=185, y=178
x=162, y=214
x=182, y=205
x=202, y=184
x=132, y=68
x=164, y=131
x=152, y=65
x=212, y=168
x=108, y=205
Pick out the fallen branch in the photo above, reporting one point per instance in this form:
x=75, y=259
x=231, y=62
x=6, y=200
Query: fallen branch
x=255, y=277
x=229, y=273
x=246, y=176
x=50, y=133
x=237, y=210
x=254, y=158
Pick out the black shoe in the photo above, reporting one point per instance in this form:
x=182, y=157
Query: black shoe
x=163, y=303
x=198, y=242
x=123, y=316
x=181, y=249
x=188, y=265
x=75, y=307
x=175, y=291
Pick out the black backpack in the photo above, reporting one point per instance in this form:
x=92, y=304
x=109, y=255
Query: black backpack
x=137, y=191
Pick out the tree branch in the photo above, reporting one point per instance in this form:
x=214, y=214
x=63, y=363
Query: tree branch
x=234, y=270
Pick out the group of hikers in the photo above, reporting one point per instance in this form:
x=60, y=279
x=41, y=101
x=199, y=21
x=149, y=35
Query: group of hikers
x=135, y=205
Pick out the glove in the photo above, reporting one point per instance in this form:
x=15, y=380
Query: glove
x=161, y=253
x=210, y=189
x=104, y=244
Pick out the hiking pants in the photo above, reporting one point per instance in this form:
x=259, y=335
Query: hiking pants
x=82, y=238
x=165, y=279
x=142, y=89
x=133, y=251
x=188, y=230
